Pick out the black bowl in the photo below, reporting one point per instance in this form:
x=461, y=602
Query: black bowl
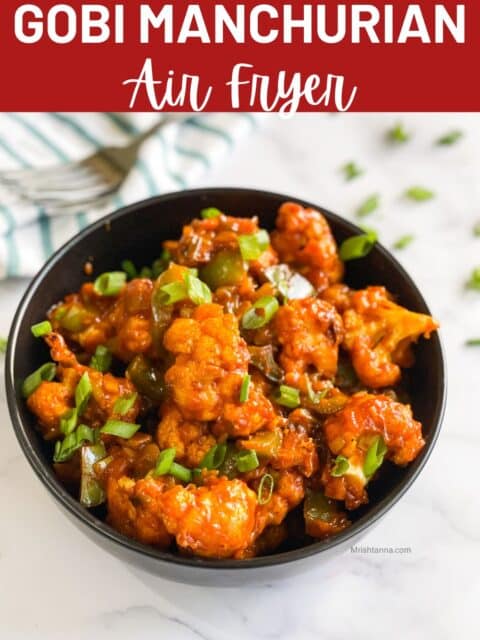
x=136, y=232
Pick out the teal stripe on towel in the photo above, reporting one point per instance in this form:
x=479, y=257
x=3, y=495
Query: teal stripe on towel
x=13, y=154
x=120, y=123
x=191, y=153
x=45, y=233
x=12, y=267
x=43, y=220
x=174, y=176
x=94, y=141
x=12, y=257
x=194, y=155
x=39, y=135
x=144, y=170
x=251, y=119
x=79, y=130
x=202, y=126
x=81, y=218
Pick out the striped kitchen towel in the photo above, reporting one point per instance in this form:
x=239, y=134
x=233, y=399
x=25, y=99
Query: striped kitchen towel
x=172, y=159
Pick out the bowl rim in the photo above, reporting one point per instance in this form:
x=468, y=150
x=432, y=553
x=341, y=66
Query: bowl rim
x=99, y=527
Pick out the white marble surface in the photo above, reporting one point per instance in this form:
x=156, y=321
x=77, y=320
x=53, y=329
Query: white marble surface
x=54, y=583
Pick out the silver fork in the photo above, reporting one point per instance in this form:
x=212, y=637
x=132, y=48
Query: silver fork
x=80, y=183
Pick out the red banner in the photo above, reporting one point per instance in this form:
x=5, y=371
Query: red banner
x=249, y=56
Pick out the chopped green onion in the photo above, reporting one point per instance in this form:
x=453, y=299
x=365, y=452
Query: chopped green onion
x=45, y=373
x=260, y=313
x=41, y=329
x=450, y=138
x=476, y=229
x=358, y=246
x=180, y=472
x=110, y=283
x=102, y=464
x=65, y=449
x=313, y=396
x=398, y=133
x=403, y=242
x=419, y=194
x=267, y=484
x=279, y=275
x=197, y=291
x=473, y=342
x=341, y=467
x=287, y=396
x=164, y=462
x=368, y=206
x=102, y=359
x=246, y=461
x=474, y=282
x=214, y=457
x=3, y=344
x=71, y=318
x=171, y=293
x=252, y=246
x=68, y=421
x=351, y=170
x=210, y=212
x=374, y=457
x=245, y=388
x=92, y=493
x=83, y=393
x=146, y=272
x=125, y=403
x=290, y=285
x=120, y=429
x=130, y=269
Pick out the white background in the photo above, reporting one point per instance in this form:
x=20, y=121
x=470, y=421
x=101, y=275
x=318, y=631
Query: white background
x=54, y=583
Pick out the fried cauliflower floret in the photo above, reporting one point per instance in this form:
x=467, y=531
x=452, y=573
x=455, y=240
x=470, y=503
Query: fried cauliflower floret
x=80, y=314
x=129, y=322
x=350, y=432
x=122, y=322
x=303, y=240
x=49, y=402
x=297, y=450
x=213, y=521
x=270, y=530
x=243, y=418
x=106, y=388
x=309, y=331
x=288, y=492
x=190, y=439
x=211, y=361
x=339, y=295
x=135, y=509
x=285, y=448
x=379, y=335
